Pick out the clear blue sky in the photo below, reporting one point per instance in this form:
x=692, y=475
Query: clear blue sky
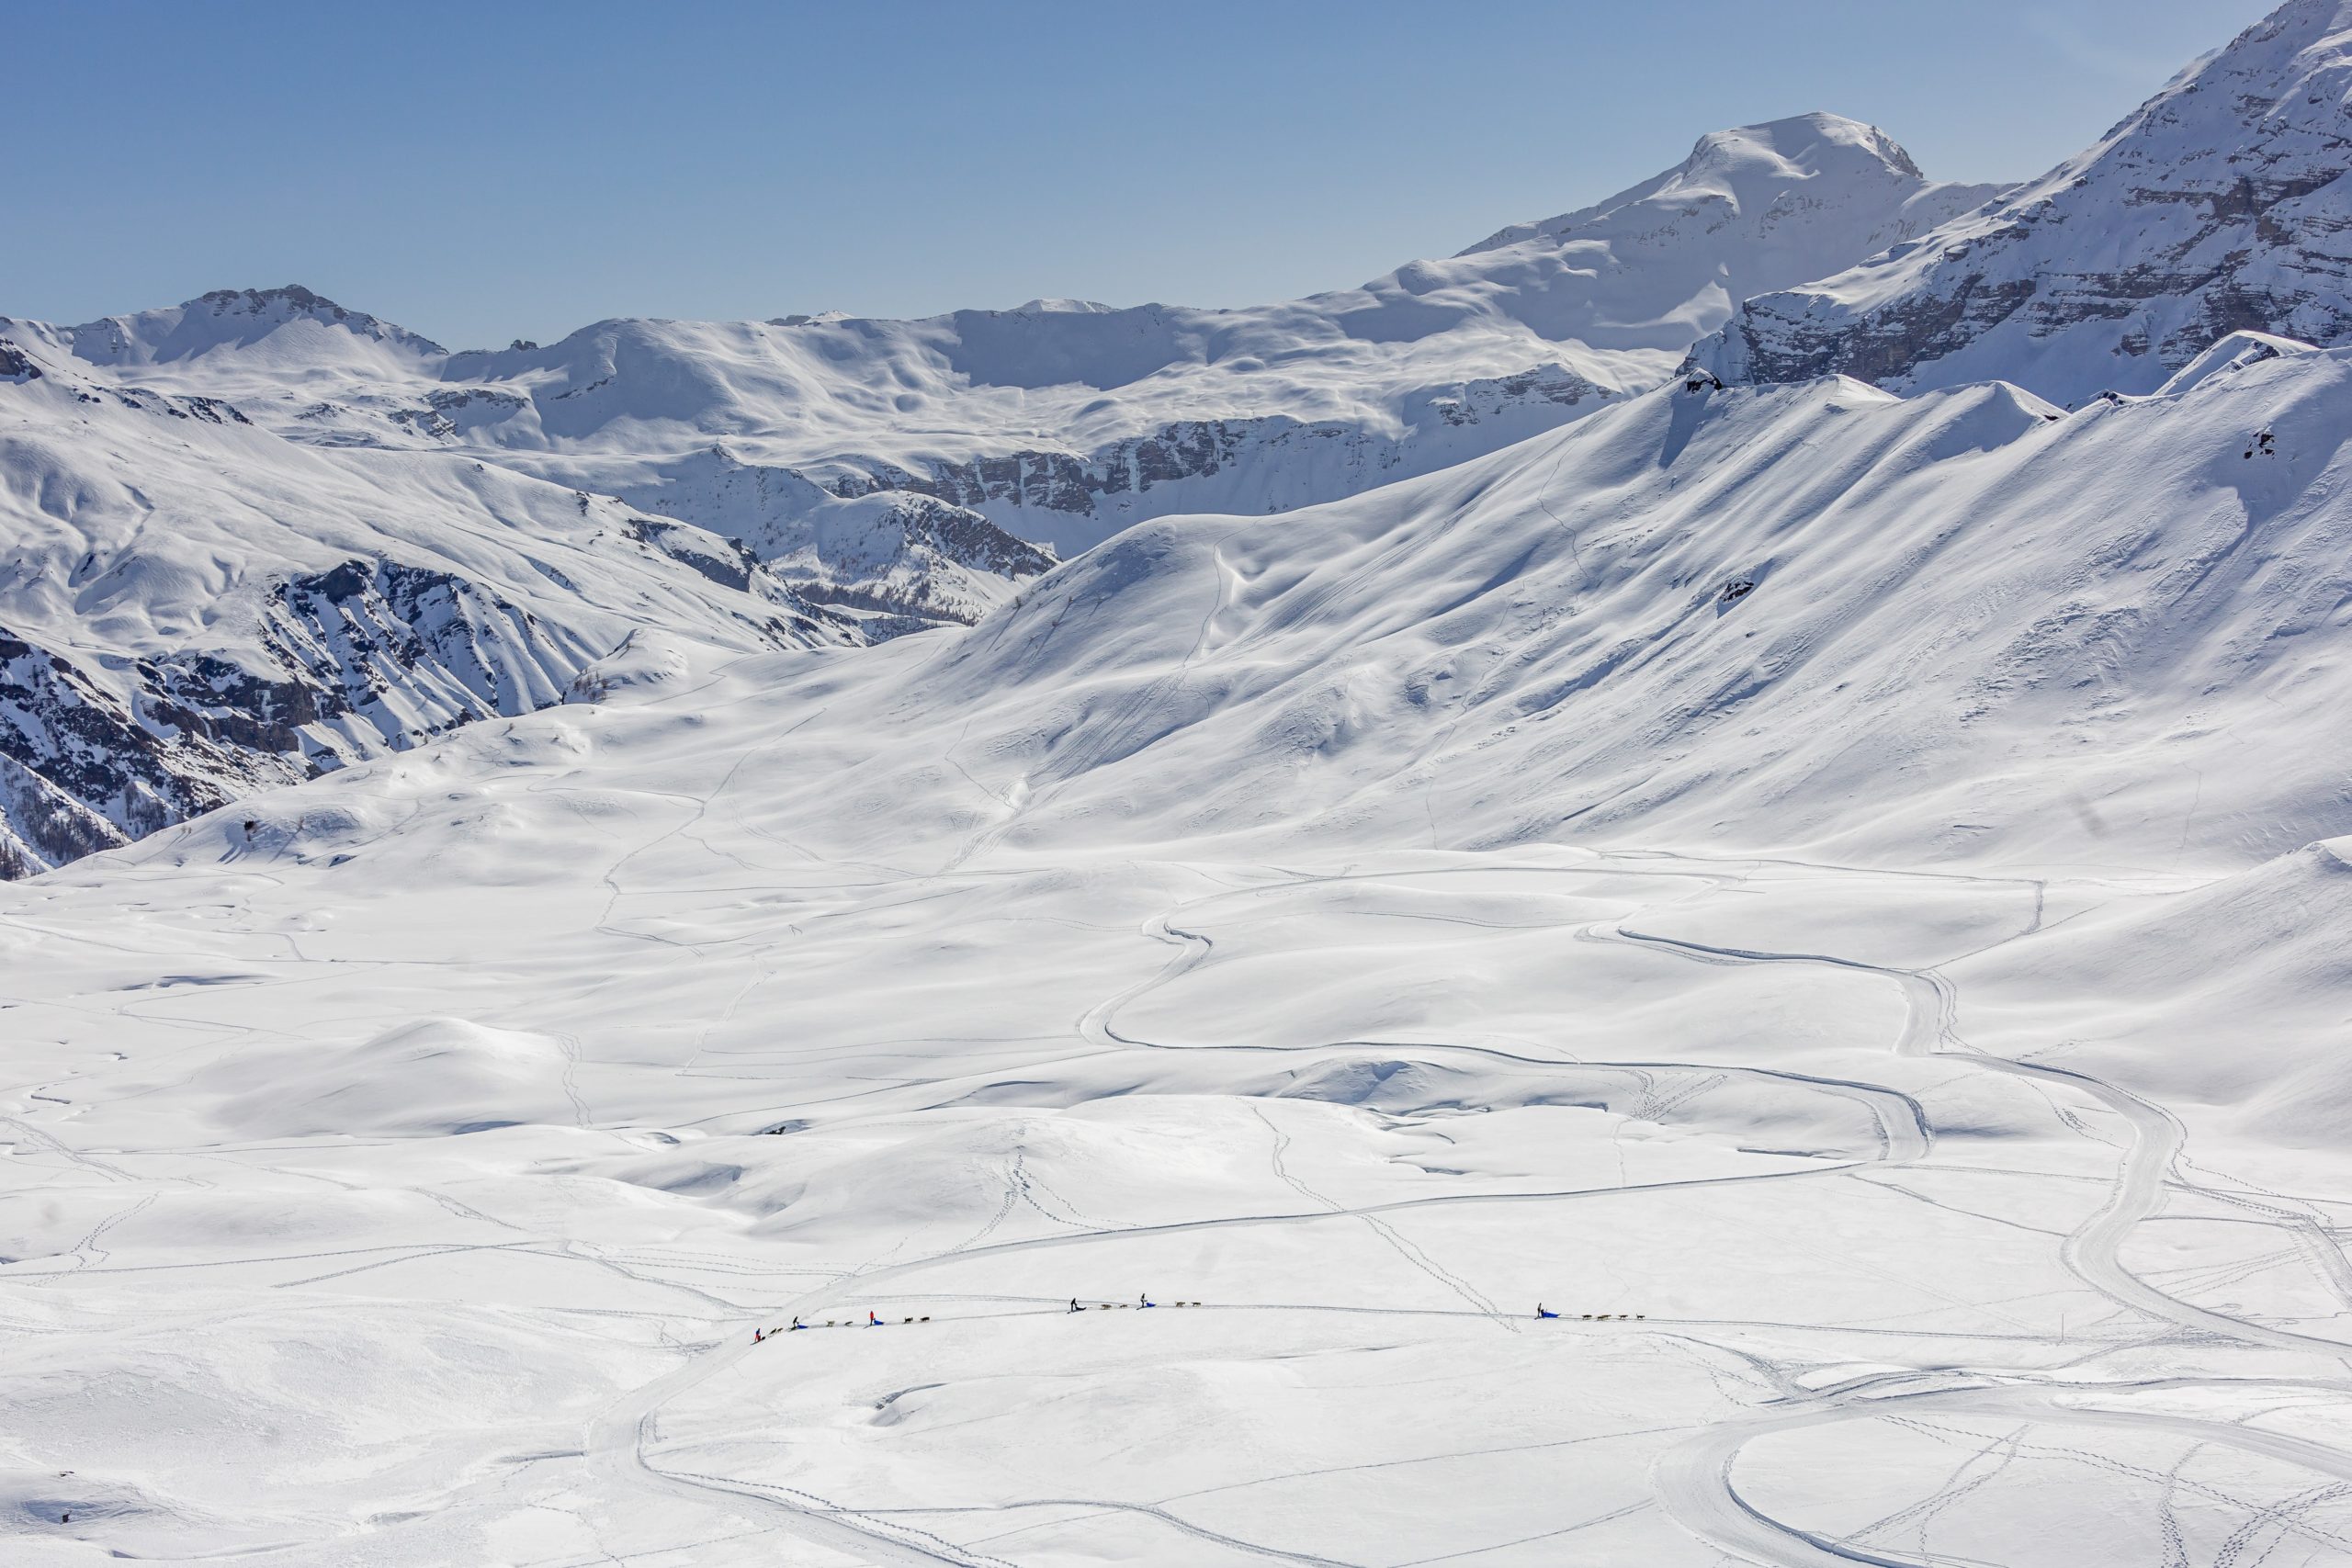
x=490, y=170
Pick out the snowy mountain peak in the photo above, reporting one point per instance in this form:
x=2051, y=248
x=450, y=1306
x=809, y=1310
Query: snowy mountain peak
x=1051, y=306
x=2220, y=205
x=2266, y=111
x=276, y=304
x=1803, y=145
x=286, y=328
x=1752, y=166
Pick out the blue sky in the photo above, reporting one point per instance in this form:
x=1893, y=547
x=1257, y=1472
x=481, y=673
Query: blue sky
x=486, y=170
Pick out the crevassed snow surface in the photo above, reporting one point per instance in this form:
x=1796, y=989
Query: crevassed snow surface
x=1832, y=895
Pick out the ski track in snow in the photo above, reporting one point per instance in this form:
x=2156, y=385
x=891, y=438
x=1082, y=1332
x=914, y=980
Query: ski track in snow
x=1695, y=1477
x=423, y=1211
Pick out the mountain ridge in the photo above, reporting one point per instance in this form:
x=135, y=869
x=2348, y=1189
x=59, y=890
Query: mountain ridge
x=863, y=479
x=192, y=607
x=1107, y=407
x=2220, y=204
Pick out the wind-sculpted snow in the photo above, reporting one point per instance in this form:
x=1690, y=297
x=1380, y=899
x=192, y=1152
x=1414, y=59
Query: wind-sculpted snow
x=2221, y=205
x=1952, y=625
x=1830, y=895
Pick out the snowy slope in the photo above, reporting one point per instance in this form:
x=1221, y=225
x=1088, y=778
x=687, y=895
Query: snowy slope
x=192, y=607
x=1817, y=887
x=1961, y=623
x=857, y=462
x=1727, y=616
x=1064, y=420
x=1841, y=897
x=2222, y=204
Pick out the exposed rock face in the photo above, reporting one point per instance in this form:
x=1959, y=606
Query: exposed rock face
x=450, y=411
x=82, y=770
x=2222, y=204
x=370, y=657
x=16, y=365
x=1261, y=456
x=1063, y=482
x=406, y=652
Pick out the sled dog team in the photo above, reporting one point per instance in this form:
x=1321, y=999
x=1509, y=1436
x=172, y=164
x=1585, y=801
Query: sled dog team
x=760, y=1335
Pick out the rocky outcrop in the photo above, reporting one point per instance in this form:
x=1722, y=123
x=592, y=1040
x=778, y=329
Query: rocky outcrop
x=1257, y=459
x=16, y=365
x=84, y=769
x=449, y=410
x=2221, y=205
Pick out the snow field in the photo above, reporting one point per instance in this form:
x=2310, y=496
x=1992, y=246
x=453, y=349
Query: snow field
x=1912, y=985
x=1370, y=1215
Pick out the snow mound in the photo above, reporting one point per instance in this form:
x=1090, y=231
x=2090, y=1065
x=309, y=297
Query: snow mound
x=647, y=663
x=428, y=1077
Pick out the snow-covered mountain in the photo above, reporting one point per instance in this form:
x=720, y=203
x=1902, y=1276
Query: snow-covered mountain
x=1827, y=894
x=1064, y=420
x=192, y=607
x=285, y=334
x=1760, y=976
x=1964, y=623
x=231, y=520
x=2222, y=204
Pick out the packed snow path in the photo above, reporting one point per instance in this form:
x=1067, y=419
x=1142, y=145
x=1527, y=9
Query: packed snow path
x=1908, y=1296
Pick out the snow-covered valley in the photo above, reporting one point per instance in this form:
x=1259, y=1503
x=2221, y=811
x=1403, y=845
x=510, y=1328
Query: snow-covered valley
x=1756, y=975
x=863, y=479
x=1905, y=1177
